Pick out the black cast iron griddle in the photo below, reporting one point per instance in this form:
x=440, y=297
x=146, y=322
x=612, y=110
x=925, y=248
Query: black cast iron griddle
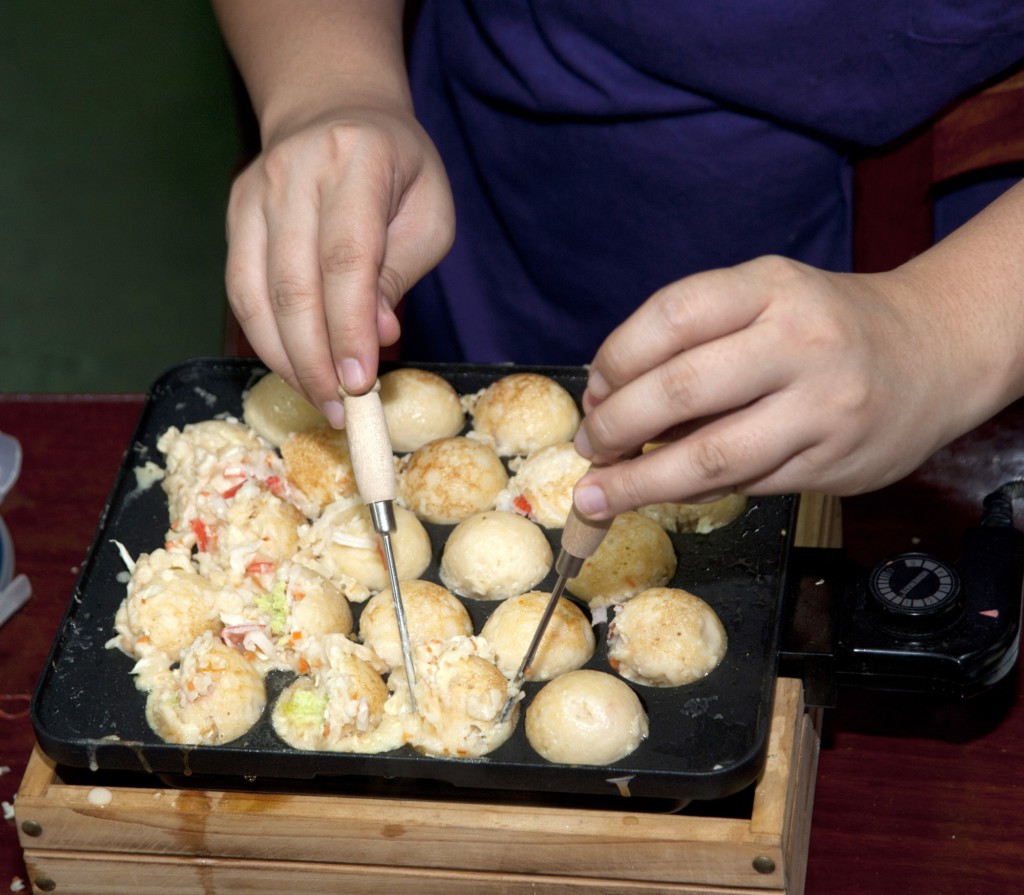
x=707, y=739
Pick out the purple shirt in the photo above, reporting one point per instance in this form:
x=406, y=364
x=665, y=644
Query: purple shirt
x=600, y=150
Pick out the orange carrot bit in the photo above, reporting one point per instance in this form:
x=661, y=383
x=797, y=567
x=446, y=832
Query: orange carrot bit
x=303, y=666
x=202, y=533
x=522, y=504
x=296, y=635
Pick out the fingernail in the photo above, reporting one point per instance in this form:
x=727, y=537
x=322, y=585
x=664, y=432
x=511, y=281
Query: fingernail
x=597, y=386
x=583, y=446
x=591, y=500
x=335, y=413
x=353, y=376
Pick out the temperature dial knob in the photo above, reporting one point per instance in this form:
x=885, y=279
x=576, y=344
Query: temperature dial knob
x=914, y=594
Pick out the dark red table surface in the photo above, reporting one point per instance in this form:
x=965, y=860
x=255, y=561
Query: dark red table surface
x=911, y=797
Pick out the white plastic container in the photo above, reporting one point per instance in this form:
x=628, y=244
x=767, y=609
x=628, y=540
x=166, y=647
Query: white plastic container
x=13, y=591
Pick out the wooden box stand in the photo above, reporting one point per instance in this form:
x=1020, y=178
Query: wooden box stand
x=97, y=840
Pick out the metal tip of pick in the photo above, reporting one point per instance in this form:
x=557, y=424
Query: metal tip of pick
x=510, y=701
x=400, y=619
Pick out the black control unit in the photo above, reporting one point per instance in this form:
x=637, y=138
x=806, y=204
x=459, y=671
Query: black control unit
x=914, y=622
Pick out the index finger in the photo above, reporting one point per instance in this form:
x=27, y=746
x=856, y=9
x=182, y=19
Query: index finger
x=678, y=317
x=354, y=219
x=295, y=294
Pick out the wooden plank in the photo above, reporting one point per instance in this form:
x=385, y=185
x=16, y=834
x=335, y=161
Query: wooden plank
x=802, y=805
x=982, y=131
x=435, y=835
x=428, y=837
x=100, y=874
x=775, y=788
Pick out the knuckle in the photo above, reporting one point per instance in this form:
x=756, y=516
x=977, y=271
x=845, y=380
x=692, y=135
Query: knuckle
x=247, y=300
x=710, y=459
x=775, y=269
x=291, y=294
x=600, y=430
x=819, y=328
x=343, y=137
x=679, y=384
x=675, y=314
x=275, y=166
x=246, y=304
x=363, y=146
x=317, y=379
x=850, y=397
x=343, y=257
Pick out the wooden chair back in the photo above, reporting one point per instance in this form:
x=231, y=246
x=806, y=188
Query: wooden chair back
x=895, y=188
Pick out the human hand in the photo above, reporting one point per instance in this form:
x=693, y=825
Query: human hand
x=327, y=229
x=774, y=377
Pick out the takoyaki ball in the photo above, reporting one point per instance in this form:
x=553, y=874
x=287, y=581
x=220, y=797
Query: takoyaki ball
x=699, y=518
x=317, y=461
x=635, y=554
x=586, y=718
x=494, y=555
x=450, y=479
x=523, y=412
x=542, y=483
x=665, y=637
x=419, y=407
x=315, y=606
x=278, y=627
x=212, y=457
x=343, y=545
x=431, y=613
x=275, y=410
x=168, y=605
x=568, y=640
x=460, y=693
x=339, y=707
x=248, y=534
x=215, y=696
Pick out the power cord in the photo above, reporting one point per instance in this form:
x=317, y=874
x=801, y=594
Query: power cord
x=997, y=507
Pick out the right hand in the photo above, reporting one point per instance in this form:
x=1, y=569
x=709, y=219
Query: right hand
x=327, y=229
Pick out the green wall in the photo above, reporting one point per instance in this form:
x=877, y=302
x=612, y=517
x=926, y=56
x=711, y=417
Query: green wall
x=118, y=136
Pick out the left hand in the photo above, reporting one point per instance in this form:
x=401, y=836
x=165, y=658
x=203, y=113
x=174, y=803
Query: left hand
x=774, y=377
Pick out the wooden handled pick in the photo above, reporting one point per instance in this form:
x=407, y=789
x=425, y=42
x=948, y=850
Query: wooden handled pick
x=369, y=446
x=580, y=538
